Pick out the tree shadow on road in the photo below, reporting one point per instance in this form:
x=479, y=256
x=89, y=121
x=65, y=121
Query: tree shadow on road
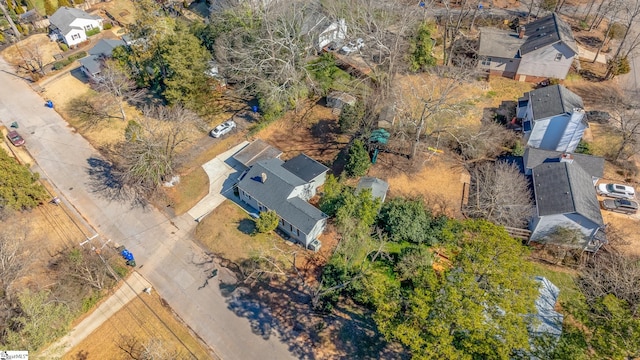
x=106, y=180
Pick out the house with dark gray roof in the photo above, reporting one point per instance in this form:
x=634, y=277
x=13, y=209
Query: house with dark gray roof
x=537, y=51
x=70, y=25
x=565, y=198
x=553, y=118
x=593, y=165
x=285, y=187
x=256, y=151
x=91, y=65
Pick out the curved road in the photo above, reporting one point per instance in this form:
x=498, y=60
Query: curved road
x=164, y=248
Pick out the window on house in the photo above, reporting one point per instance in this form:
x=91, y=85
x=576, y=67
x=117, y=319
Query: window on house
x=282, y=222
x=526, y=126
x=558, y=56
x=75, y=36
x=88, y=27
x=486, y=62
x=298, y=232
x=291, y=227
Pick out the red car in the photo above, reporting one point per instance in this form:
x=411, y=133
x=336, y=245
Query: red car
x=15, y=138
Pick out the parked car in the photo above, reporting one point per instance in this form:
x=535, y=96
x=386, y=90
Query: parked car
x=15, y=138
x=616, y=191
x=620, y=205
x=223, y=128
x=352, y=47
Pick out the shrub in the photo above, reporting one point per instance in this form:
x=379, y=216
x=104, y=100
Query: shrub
x=268, y=221
x=584, y=148
x=92, y=32
x=63, y=47
x=107, y=26
x=350, y=117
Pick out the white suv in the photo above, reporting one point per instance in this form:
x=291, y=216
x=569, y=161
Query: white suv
x=616, y=191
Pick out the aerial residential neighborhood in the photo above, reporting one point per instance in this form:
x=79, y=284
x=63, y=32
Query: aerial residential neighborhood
x=338, y=179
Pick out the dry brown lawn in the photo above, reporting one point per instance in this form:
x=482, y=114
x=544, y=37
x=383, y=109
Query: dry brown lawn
x=34, y=44
x=144, y=318
x=228, y=230
x=627, y=228
x=124, y=11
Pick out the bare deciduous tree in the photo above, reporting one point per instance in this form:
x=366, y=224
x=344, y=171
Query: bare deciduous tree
x=149, y=153
x=625, y=121
x=611, y=272
x=385, y=27
x=117, y=87
x=153, y=349
x=86, y=267
x=499, y=193
x=432, y=106
x=483, y=143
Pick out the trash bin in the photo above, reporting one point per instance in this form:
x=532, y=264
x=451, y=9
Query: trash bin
x=14, y=124
x=254, y=108
x=49, y=104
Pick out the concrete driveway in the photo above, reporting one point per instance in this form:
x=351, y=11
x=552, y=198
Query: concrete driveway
x=222, y=171
x=164, y=249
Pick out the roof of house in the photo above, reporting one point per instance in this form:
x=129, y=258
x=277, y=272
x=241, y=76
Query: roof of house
x=552, y=100
x=305, y=167
x=544, y=32
x=91, y=63
x=547, y=31
x=105, y=47
x=256, y=151
x=64, y=16
x=593, y=165
x=564, y=188
x=499, y=43
x=378, y=187
x=274, y=193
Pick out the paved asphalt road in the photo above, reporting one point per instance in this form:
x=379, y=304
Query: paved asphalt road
x=164, y=248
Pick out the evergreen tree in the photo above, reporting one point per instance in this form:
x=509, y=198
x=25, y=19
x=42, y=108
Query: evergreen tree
x=350, y=117
x=358, y=160
x=64, y=3
x=268, y=221
x=18, y=8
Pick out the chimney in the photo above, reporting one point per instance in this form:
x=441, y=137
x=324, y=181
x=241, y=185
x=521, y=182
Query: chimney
x=565, y=157
x=521, y=32
x=263, y=177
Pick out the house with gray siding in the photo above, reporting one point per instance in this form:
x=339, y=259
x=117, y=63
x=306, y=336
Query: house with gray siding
x=536, y=51
x=553, y=118
x=285, y=187
x=566, y=200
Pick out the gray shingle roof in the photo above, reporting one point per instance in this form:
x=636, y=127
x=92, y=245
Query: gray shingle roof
x=553, y=100
x=91, y=63
x=547, y=31
x=593, y=165
x=105, y=47
x=256, y=151
x=64, y=16
x=378, y=187
x=305, y=167
x=499, y=43
x=275, y=191
x=564, y=188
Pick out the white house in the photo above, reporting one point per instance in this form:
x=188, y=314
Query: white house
x=553, y=118
x=539, y=50
x=285, y=187
x=322, y=31
x=70, y=25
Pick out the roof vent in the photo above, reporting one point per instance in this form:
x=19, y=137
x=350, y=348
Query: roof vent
x=263, y=177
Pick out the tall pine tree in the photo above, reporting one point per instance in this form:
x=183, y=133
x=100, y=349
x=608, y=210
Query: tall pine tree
x=49, y=8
